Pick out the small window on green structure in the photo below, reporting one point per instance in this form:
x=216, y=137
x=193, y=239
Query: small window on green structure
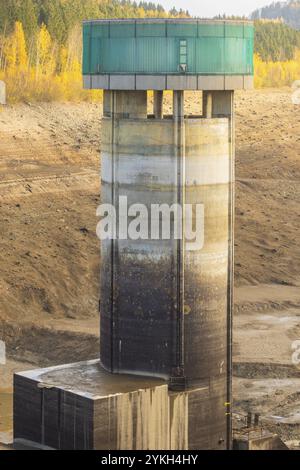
x=183, y=52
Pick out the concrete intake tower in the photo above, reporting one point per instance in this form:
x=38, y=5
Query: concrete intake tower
x=166, y=303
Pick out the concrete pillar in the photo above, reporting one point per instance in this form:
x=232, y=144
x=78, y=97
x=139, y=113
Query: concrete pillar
x=158, y=297
x=178, y=378
x=207, y=104
x=125, y=104
x=178, y=105
x=223, y=104
x=158, y=98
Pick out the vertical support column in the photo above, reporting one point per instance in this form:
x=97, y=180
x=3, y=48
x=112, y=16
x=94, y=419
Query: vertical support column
x=223, y=106
x=207, y=104
x=178, y=375
x=158, y=98
x=128, y=104
x=107, y=103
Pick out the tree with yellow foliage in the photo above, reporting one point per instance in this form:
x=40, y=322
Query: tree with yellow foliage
x=15, y=50
x=45, y=53
x=276, y=74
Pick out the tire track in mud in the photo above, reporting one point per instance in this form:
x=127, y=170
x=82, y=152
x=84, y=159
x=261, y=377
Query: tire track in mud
x=45, y=179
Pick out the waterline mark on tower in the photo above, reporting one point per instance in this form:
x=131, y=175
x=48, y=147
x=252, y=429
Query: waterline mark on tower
x=154, y=222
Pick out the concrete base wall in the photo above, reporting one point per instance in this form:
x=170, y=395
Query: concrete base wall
x=80, y=406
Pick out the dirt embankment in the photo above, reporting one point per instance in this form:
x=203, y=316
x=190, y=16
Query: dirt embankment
x=49, y=191
x=268, y=190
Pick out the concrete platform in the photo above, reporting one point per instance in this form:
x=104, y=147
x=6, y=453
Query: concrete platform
x=81, y=406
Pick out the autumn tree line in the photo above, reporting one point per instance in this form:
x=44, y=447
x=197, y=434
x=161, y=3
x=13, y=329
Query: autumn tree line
x=61, y=16
x=41, y=46
x=289, y=11
x=41, y=43
x=277, y=54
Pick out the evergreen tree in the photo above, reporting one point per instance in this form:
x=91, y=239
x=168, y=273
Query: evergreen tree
x=27, y=15
x=56, y=21
x=8, y=15
x=275, y=41
x=15, y=51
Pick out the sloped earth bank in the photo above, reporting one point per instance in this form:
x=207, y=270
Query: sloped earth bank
x=49, y=256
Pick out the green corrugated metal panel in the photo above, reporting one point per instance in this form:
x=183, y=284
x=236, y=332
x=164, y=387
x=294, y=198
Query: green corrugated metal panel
x=234, y=30
x=134, y=47
x=96, y=65
x=86, y=65
x=100, y=30
x=146, y=29
x=152, y=58
x=182, y=29
x=248, y=31
x=210, y=56
x=122, y=29
x=249, y=56
x=211, y=29
x=124, y=59
x=234, y=48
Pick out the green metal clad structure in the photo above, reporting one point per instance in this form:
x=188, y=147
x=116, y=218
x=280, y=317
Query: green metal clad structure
x=185, y=46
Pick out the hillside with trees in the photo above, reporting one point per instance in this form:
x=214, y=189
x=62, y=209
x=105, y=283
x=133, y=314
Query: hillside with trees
x=41, y=46
x=41, y=43
x=289, y=12
x=277, y=54
x=275, y=41
x=60, y=16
